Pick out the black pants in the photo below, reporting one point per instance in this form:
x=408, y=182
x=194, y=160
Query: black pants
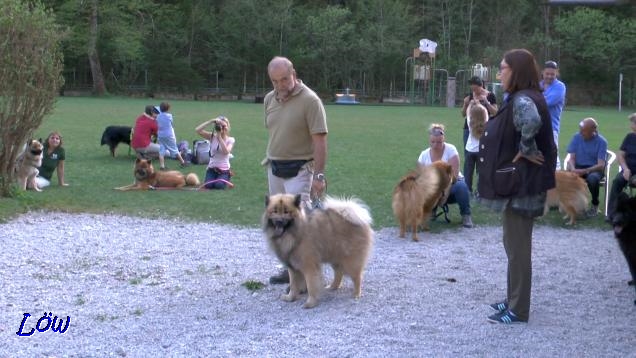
x=618, y=185
x=470, y=168
x=593, y=181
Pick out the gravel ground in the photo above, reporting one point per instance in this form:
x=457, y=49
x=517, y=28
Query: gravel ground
x=136, y=287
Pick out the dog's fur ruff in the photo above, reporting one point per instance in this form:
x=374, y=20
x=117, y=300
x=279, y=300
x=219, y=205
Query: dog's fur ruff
x=418, y=193
x=113, y=135
x=338, y=233
x=624, y=223
x=478, y=116
x=147, y=178
x=27, y=164
x=571, y=195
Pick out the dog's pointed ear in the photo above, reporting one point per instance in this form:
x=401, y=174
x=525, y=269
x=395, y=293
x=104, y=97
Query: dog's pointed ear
x=266, y=200
x=149, y=161
x=138, y=160
x=297, y=200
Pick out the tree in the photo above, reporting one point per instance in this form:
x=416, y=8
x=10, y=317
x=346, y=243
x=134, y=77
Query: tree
x=595, y=60
x=99, y=88
x=326, y=50
x=31, y=75
x=384, y=37
x=108, y=36
x=250, y=33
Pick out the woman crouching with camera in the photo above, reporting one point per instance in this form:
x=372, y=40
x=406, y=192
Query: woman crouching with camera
x=218, y=174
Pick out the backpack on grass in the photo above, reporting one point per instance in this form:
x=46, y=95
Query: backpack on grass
x=201, y=151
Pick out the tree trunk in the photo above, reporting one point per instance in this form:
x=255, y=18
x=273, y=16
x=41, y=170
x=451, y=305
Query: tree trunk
x=469, y=30
x=99, y=87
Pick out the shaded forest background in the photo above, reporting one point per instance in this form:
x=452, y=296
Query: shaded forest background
x=202, y=48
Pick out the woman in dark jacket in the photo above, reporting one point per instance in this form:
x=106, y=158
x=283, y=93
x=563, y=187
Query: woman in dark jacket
x=517, y=161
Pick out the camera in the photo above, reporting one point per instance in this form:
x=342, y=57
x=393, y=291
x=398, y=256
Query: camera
x=218, y=125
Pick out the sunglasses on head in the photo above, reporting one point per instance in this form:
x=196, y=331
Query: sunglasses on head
x=436, y=132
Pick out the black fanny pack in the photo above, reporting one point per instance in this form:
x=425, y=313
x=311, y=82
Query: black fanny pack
x=287, y=168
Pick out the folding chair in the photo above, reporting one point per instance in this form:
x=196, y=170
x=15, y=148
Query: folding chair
x=610, y=157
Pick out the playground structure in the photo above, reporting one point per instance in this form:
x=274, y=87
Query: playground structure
x=425, y=84
x=346, y=98
x=421, y=83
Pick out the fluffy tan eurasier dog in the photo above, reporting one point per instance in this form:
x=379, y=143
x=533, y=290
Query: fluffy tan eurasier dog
x=339, y=233
x=477, y=118
x=147, y=178
x=418, y=193
x=27, y=165
x=570, y=195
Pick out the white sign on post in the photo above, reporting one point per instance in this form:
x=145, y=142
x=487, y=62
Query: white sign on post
x=428, y=46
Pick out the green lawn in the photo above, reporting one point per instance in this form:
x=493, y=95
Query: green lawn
x=370, y=148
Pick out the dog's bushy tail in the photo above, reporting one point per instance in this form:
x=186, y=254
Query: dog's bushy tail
x=582, y=199
x=351, y=209
x=478, y=117
x=192, y=180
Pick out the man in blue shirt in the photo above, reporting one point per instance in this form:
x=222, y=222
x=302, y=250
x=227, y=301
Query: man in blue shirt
x=554, y=93
x=588, y=150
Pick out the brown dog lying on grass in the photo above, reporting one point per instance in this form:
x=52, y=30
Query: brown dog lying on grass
x=146, y=178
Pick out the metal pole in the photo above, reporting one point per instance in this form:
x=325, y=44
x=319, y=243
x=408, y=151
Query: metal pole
x=620, y=91
x=412, y=81
x=406, y=71
x=441, y=82
x=433, y=78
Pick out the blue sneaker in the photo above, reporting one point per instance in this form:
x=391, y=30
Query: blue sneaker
x=499, y=306
x=505, y=317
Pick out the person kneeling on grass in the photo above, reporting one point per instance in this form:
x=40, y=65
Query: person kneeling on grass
x=218, y=174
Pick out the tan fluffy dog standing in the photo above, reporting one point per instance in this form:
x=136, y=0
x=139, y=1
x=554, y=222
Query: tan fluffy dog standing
x=338, y=233
x=147, y=178
x=418, y=193
x=27, y=165
x=570, y=195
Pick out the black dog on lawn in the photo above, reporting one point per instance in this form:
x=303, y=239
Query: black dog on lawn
x=624, y=222
x=113, y=135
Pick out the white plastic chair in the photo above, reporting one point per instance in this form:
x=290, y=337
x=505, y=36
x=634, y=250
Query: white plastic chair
x=605, y=182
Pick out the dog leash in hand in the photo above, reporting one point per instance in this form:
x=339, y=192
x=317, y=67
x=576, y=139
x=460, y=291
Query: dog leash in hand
x=317, y=200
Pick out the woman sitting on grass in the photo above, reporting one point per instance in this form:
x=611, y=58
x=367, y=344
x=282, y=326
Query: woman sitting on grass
x=218, y=174
x=53, y=156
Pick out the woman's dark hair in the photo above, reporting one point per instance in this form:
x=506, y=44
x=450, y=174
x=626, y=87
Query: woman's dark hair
x=164, y=106
x=524, y=70
x=149, y=109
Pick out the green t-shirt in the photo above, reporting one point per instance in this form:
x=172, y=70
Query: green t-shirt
x=292, y=123
x=49, y=161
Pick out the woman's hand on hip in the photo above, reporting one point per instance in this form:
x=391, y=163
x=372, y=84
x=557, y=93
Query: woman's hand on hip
x=536, y=158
